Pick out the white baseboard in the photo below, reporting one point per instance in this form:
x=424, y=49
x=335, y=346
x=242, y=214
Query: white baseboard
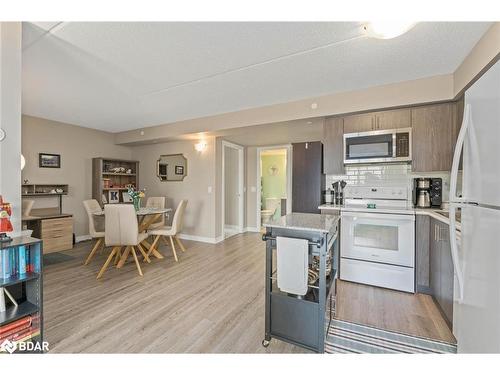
x=252, y=229
x=85, y=237
x=190, y=237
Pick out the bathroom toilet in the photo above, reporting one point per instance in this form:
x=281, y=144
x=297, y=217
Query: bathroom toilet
x=271, y=205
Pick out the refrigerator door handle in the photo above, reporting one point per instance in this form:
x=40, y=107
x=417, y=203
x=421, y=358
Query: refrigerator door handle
x=454, y=200
x=458, y=153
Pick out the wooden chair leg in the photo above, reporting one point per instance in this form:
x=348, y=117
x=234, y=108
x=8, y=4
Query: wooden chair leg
x=180, y=244
x=173, y=248
x=103, y=246
x=106, y=264
x=118, y=256
x=93, y=251
x=124, y=257
x=146, y=257
x=136, y=261
x=153, y=245
x=165, y=240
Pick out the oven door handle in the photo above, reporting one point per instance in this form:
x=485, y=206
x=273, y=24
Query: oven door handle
x=379, y=216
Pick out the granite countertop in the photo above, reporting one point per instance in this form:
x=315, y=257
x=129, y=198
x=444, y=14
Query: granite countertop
x=439, y=214
x=322, y=223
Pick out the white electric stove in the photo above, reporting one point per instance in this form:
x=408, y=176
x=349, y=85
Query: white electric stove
x=378, y=237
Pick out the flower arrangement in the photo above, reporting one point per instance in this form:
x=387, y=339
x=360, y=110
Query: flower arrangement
x=136, y=196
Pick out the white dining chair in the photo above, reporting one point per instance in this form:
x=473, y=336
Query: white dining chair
x=122, y=229
x=156, y=202
x=171, y=232
x=91, y=206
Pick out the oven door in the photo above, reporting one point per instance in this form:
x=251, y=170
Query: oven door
x=378, y=237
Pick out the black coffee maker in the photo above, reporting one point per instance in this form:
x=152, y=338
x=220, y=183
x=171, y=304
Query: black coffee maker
x=427, y=192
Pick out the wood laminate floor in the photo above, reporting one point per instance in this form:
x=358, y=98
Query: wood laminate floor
x=413, y=314
x=211, y=301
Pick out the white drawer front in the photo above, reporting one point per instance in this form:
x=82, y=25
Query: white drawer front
x=383, y=275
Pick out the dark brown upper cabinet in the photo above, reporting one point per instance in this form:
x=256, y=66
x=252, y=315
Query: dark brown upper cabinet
x=333, y=146
x=434, y=134
x=383, y=120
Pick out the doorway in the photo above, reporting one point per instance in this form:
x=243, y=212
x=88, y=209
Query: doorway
x=232, y=189
x=274, y=181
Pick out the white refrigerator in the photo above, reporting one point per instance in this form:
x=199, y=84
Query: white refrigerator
x=476, y=259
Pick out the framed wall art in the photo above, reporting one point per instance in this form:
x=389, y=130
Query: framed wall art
x=49, y=160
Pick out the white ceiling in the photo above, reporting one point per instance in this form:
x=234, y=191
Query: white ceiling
x=122, y=76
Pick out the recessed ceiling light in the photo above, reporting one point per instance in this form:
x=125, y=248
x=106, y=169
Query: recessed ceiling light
x=309, y=122
x=141, y=132
x=314, y=105
x=387, y=29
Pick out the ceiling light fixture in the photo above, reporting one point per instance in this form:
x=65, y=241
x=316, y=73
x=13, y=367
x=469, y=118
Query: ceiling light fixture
x=387, y=29
x=200, y=146
x=23, y=162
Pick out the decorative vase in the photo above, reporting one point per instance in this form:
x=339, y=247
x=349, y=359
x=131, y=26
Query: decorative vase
x=137, y=203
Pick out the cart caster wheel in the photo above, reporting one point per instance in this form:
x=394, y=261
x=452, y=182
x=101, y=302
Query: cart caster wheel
x=265, y=343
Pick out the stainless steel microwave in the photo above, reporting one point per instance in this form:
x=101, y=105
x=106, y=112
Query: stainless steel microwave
x=379, y=146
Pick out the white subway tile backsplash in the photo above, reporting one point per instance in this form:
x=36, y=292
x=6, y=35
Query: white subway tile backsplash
x=374, y=174
x=386, y=175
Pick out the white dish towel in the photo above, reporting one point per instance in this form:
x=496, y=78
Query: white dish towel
x=292, y=264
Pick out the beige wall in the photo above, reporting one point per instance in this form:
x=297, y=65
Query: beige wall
x=77, y=146
x=486, y=50
x=251, y=183
x=199, y=220
x=10, y=118
x=231, y=177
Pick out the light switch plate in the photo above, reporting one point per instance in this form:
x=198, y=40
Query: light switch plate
x=253, y=189
x=209, y=190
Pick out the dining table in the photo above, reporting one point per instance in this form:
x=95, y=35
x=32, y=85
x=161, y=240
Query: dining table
x=145, y=217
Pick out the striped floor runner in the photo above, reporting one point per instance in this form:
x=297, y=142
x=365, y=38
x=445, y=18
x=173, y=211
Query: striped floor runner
x=346, y=337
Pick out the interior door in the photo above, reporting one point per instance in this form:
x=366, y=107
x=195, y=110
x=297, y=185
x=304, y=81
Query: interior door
x=482, y=143
x=383, y=238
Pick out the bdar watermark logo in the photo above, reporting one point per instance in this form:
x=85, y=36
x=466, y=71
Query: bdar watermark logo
x=24, y=346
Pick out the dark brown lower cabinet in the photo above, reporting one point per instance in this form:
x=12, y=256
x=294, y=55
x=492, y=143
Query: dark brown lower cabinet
x=422, y=247
x=441, y=274
x=308, y=180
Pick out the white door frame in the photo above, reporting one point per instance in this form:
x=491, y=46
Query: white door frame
x=289, y=159
x=241, y=206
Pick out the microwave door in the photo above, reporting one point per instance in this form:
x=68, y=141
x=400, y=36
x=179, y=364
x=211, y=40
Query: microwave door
x=368, y=148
